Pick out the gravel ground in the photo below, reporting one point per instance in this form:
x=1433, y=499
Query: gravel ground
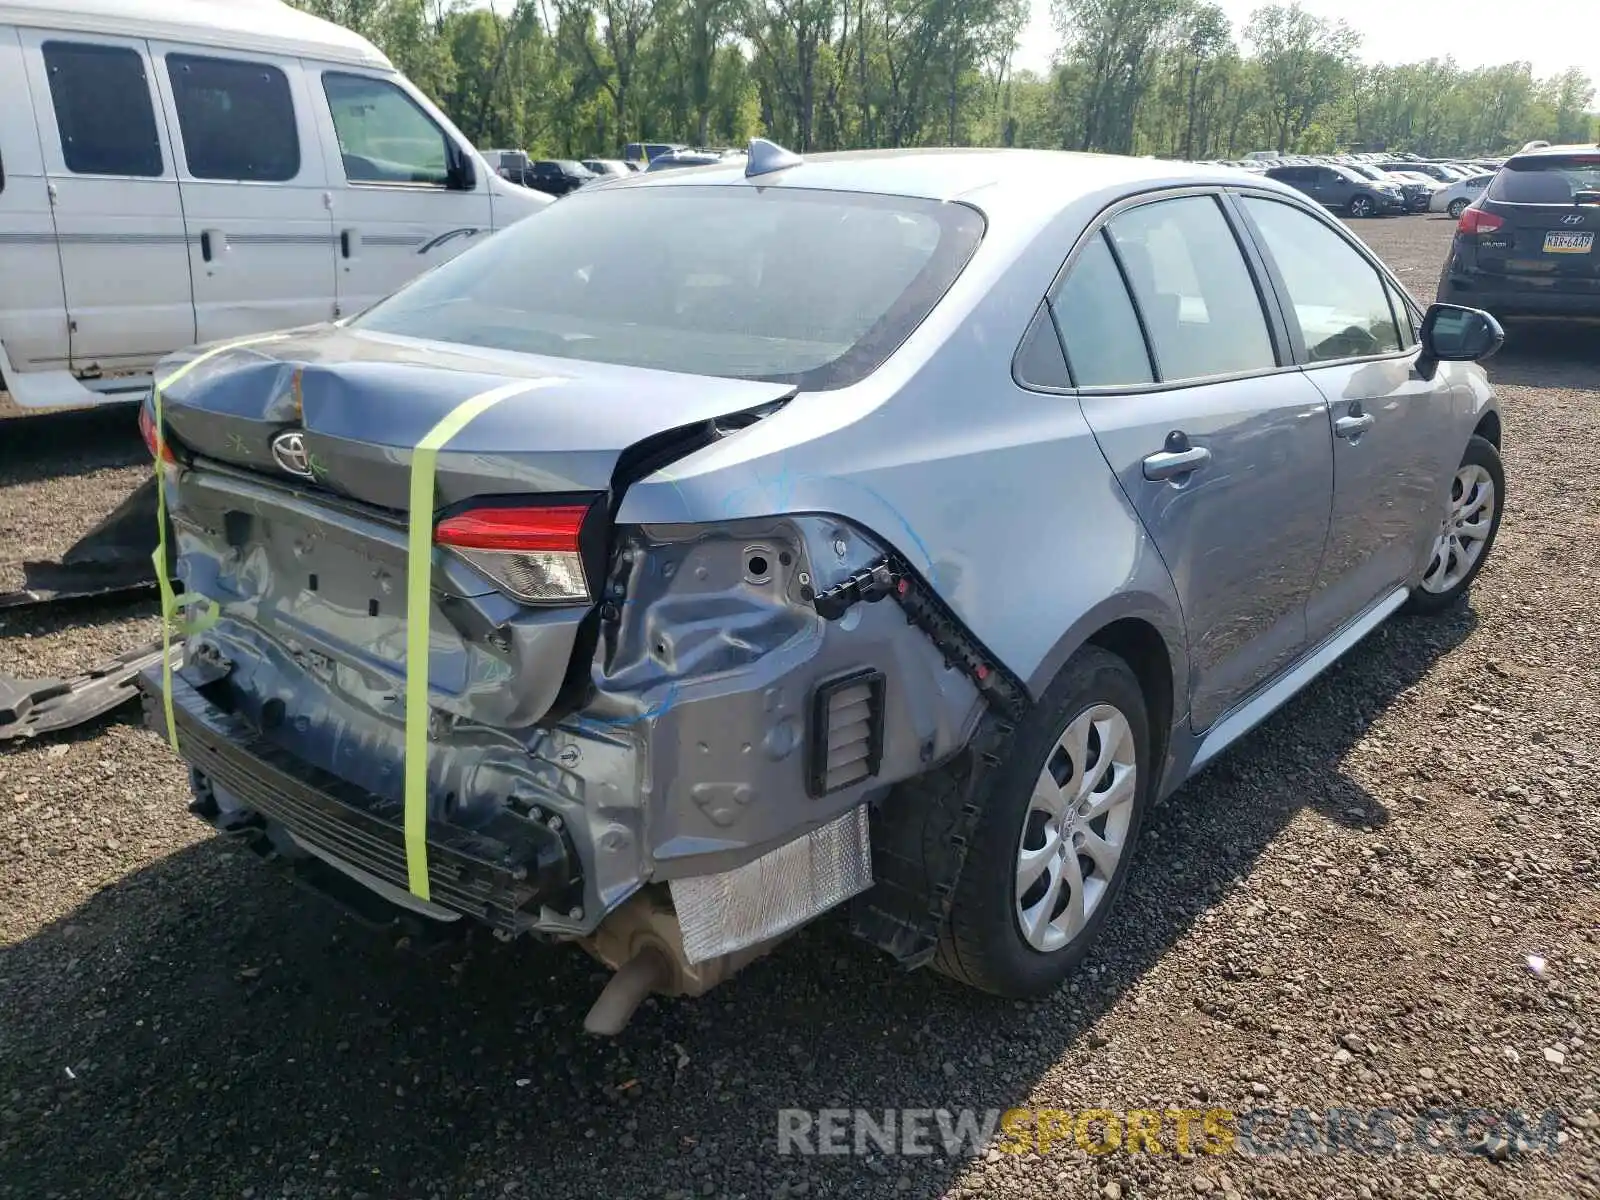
x=1340, y=914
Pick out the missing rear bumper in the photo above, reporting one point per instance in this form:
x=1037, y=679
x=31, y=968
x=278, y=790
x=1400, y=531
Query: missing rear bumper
x=501, y=874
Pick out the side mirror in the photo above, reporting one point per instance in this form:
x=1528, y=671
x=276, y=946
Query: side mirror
x=460, y=175
x=1453, y=333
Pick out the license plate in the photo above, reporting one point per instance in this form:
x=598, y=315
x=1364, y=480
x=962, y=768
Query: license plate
x=1568, y=243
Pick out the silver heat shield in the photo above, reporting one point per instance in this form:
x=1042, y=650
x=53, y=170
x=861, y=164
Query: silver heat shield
x=777, y=892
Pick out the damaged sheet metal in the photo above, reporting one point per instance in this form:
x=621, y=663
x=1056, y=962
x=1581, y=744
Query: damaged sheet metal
x=112, y=558
x=30, y=707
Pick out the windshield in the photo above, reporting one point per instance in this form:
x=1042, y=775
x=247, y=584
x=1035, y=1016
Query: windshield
x=1547, y=179
x=813, y=288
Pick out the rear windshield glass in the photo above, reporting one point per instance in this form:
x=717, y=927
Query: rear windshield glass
x=1547, y=179
x=812, y=288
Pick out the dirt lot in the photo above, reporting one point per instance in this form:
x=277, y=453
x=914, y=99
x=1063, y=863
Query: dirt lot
x=1340, y=914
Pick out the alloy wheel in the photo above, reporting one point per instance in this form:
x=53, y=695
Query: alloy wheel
x=1464, y=531
x=1360, y=206
x=1076, y=828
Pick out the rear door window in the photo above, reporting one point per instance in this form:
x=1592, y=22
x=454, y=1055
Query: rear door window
x=1097, y=322
x=1338, y=298
x=103, y=109
x=1195, y=294
x=236, y=118
x=1402, y=315
x=1547, y=179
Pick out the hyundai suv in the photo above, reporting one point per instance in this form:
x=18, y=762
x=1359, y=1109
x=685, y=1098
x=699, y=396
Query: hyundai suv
x=1526, y=248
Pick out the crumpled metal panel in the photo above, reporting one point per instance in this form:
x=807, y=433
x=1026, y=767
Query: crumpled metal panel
x=777, y=892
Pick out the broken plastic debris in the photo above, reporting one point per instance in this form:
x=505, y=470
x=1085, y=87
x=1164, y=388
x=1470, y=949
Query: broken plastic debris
x=1536, y=965
x=683, y=1056
x=524, y=1082
x=70, y=1075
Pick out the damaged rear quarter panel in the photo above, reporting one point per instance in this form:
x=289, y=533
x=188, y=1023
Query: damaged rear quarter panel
x=710, y=657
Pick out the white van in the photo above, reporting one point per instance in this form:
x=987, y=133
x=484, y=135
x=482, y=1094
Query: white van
x=176, y=171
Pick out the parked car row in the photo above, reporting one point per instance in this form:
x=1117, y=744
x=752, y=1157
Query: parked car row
x=1372, y=184
x=560, y=176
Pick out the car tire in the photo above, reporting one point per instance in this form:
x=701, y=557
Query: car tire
x=1360, y=206
x=984, y=943
x=1452, y=566
x=1457, y=207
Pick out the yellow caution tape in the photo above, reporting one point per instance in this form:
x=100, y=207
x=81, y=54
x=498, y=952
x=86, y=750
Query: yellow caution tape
x=419, y=610
x=419, y=605
x=172, y=605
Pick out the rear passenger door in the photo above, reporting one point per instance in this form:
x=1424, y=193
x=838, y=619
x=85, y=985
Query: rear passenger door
x=255, y=202
x=1219, y=443
x=407, y=198
x=1351, y=328
x=111, y=173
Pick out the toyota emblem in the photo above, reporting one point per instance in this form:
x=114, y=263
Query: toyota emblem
x=289, y=451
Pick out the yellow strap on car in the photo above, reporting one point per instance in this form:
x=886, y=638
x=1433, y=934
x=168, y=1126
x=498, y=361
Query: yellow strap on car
x=419, y=611
x=172, y=605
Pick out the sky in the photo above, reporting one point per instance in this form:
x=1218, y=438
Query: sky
x=1551, y=34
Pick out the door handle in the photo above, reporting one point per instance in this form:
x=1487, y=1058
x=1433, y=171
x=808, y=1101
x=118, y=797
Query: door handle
x=1355, y=424
x=1178, y=458
x=212, y=243
x=344, y=242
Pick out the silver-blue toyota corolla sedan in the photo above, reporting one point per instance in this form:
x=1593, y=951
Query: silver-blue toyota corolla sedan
x=720, y=547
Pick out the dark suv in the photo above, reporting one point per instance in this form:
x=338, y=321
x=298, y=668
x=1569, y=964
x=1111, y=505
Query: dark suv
x=1342, y=189
x=557, y=176
x=1526, y=247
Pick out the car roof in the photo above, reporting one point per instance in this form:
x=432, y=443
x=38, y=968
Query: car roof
x=960, y=173
x=263, y=25
x=1555, y=151
x=1019, y=192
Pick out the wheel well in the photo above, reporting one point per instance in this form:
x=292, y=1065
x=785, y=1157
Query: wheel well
x=1138, y=644
x=1489, y=428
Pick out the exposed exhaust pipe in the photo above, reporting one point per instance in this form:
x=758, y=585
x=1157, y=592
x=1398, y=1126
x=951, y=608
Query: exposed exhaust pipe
x=646, y=972
x=642, y=942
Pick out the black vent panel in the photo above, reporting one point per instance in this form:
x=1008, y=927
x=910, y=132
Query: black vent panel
x=845, y=741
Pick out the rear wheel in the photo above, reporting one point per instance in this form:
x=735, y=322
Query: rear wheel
x=1457, y=207
x=1053, y=847
x=1466, y=531
x=1361, y=206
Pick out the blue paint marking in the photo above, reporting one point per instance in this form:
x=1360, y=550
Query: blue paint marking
x=599, y=725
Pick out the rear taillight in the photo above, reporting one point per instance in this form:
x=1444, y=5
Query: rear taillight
x=153, y=443
x=532, y=552
x=1475, y=220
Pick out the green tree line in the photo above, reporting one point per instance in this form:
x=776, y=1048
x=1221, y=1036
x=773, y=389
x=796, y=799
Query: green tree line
x=574, y=78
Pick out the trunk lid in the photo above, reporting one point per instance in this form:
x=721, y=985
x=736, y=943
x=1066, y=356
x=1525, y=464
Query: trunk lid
x=363, y=401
